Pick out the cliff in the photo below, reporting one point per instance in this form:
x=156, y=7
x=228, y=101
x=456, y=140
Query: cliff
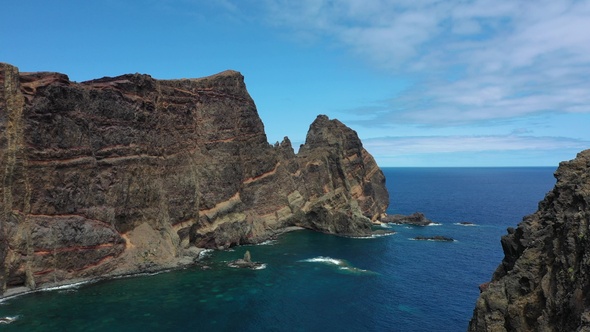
x=543, y=283
x=130, y=173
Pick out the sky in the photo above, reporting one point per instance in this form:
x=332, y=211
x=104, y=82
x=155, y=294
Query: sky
x=451, y=83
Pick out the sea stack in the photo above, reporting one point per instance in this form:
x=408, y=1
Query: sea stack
x=543, y=283
x=125, y=174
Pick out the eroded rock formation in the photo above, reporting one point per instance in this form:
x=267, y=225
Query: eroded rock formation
x=543, y=283
x=124, y=174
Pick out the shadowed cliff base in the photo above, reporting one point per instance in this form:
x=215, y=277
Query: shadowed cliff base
x=543, y=283
x=129, y=174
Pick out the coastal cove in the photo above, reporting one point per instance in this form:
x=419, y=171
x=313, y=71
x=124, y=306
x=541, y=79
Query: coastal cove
x=315, y=281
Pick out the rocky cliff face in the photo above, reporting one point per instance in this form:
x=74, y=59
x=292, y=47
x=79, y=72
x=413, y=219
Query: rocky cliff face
x=543, y=283
x=128, y=173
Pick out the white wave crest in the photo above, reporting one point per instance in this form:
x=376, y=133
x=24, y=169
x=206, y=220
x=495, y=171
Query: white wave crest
x=465, y=224
x=204, y=253
x=434, y=224
x=341, y=264
x=325, y=260
x=67, y=286
x=373, y=236
x=8, y=319
x=267, y=243
x=353, y=269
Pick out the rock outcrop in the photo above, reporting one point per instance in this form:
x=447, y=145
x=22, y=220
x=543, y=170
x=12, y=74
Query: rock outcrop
x=436, y=238
x=416, y=219
x=127, y=173
x=543, y=283
x=246, y=263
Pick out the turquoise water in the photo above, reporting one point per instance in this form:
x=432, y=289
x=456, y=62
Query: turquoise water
x=318, y=282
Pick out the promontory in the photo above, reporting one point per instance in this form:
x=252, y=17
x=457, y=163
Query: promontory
x=124, y=174
x=543, y=283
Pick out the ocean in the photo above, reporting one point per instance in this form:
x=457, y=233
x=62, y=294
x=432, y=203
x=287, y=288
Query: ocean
x=318, y=282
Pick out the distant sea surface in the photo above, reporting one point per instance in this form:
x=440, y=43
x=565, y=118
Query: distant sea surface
x=319, y=282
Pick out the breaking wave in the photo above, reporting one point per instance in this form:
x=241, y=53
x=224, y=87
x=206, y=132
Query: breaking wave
x=267, y=243
x=71, y=286
x=387, y=225
x=205, y=253
x=464, y=224
x=8, y=319
x=373, y=236
x=256, y=266
x=341, y=264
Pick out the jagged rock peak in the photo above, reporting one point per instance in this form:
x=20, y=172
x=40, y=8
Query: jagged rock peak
x=543, y=283
x=327, y=133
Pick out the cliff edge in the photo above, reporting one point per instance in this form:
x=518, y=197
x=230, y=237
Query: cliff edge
x=124, y=174
x=543, y=283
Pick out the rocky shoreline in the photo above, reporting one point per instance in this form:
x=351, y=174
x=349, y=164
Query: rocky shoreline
x=191, y=258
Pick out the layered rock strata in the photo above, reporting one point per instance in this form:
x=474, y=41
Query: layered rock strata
x=543, y=283
x=128, y=173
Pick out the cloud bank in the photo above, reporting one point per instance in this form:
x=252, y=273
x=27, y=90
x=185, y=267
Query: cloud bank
x=470, y=64
x=471, y=61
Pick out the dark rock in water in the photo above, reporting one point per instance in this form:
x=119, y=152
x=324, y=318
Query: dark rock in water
x=543, y=282
x=123, y=174
x=246, y=263
x=435, y=238
x=466, y=223
x=417, y=219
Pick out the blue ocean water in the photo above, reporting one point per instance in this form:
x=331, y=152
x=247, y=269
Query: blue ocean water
x=319, y=282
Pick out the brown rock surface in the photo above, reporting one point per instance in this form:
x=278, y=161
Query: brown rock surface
x=543, y=283
x=124, y=174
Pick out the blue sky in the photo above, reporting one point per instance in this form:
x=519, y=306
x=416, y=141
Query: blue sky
x=424, y=83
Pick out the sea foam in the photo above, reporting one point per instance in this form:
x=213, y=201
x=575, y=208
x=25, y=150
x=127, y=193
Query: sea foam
x=67, y=286
x=342, y=264
x=267, y=243
x=8, y=319
x=373, y=236
x=260, y=267
x=465, y=225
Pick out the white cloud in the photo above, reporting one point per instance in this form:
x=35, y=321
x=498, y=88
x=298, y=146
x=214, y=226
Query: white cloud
x=477, y=60
x=393, y=146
